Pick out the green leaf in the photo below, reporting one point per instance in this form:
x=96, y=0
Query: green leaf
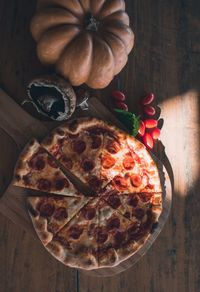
x=130, y=121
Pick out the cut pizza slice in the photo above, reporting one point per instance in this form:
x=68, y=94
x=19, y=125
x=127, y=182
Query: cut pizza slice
x=77, y=146
x=127, y=164
x=134, y=206
x=50, y=213
x=118, y=237
x=37, y=170
x=75, y=244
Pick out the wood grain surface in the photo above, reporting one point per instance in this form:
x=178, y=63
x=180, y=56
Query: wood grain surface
x=165, y=60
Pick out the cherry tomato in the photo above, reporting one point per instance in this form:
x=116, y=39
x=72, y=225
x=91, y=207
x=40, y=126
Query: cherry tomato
x=148, y=141
x=149, y=110
x=121, y=105
x=148, y=99
x=118, y=95
x=141, y=130
x=150, y=123
x=155, y=133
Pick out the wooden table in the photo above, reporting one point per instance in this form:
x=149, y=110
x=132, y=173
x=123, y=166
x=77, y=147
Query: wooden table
x=166, y=60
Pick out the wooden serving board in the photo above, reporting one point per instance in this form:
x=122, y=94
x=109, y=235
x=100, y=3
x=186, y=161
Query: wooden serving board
x=17, y=127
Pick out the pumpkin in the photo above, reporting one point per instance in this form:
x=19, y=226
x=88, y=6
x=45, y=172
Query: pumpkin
x=86, y=41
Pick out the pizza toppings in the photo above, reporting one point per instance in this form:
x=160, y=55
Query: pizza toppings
x=136, y=180
x=113, y=223
x=102, y=236
x=75, y=232
x=128, y=162
x=89, y=213
x=113, y=146
x=88, y=165
x=119, y=237
x=37, y=163
x=96, y=142
x=114, y=200
x=139, y=213
x=60, y=214
x=120, y=183
x=133, y=201
x=108, y=161
x=78, y=146
x=46, y=210
x=44, y=184
x=61, y=183
x=95, y=183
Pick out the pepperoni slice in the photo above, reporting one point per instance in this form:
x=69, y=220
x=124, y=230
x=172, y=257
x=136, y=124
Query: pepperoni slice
x=102, y=236
x=113, y=223
x=37, y=163
x=61, y=183
x=60, y=214
x=108, y=161
x=133, y=201
x=44, y=184
x=96, y=142
x=139, y=213
x=52, y=162
x=119, y=237
x=27, y=180
x=87, y=165
x=78, y=146
x=145, y=197
x=120, y=182
x=114, y=200
x=46, y=210
x=95, y=183
x=128, y=162
x=75, y=232
x=136, y=180
x=67, y=162
x=89, y=213
x=113, y=146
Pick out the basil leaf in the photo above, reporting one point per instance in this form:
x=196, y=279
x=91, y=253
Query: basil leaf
x=130, y=121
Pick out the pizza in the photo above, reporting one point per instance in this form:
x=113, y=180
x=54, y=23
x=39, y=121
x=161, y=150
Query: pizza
x=107, y=226
x=75, y=244
x=49, y=214
x=37, y=170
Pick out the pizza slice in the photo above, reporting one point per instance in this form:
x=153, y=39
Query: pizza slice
x=134, y=206
x=127, y=164
x=37, y=170
x=50, y=213
x=118, y=237
x=77, y=146
x=75, y=244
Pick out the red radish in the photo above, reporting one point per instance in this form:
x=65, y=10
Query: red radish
x=122, y=105
x=141, y=130
x=118, y=95
x=148, y=99
x=149, y=110
x=150, y=123
x=155, y=133
x=148, y=141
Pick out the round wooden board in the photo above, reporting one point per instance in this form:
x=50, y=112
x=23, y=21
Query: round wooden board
x=128, y=263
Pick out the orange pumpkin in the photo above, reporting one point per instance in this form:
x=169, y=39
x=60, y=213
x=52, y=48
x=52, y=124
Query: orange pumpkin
x=87, y=41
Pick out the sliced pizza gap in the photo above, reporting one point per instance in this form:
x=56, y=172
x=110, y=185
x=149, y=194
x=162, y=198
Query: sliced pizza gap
x=135, y=206
x=51, y=213
x=118, y=237
x=75, y=244
x=78, y=147
x=37, y=170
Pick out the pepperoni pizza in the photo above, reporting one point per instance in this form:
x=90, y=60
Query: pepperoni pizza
x=107, y=227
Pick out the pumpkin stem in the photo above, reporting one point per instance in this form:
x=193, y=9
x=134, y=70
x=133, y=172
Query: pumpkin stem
x=91, y=23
